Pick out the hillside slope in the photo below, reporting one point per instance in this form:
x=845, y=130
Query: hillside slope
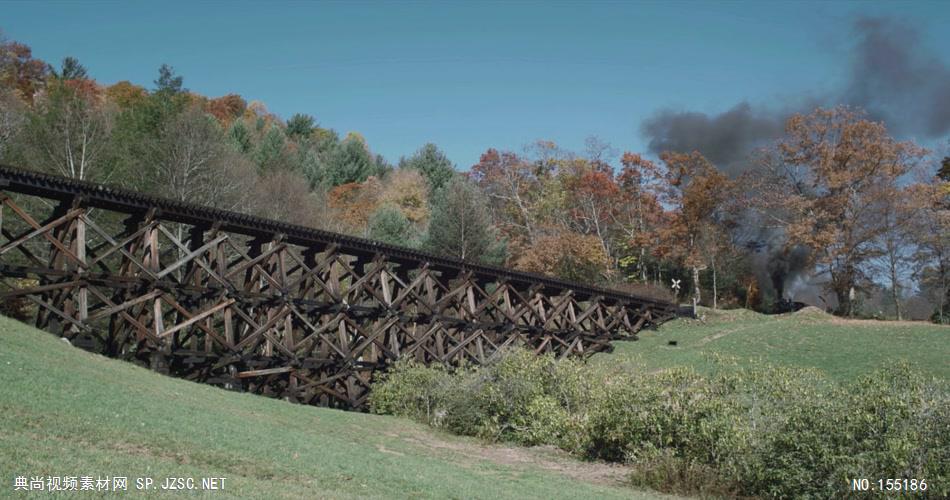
x=809, y=338
x=66, y=412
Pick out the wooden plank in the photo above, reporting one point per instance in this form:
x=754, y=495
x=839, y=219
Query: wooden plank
x=191, y=255
x=55, y=242
x=109, y=311
x=268, y=371
x=198, y=317
x=41, y=230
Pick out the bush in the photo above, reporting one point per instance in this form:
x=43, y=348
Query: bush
x=412, y=390
x=663, y=471
x=762, y=431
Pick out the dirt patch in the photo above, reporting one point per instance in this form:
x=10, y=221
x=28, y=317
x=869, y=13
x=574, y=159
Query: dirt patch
x=811, y=313
x=815, y=314
x=835, y=320
x=705, y=340
x=548, y=458
x=382, y=449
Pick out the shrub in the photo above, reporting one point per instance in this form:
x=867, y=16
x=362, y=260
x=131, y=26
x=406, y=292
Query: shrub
x=663, y=471
x=412, y=390
x=519, y=397
x=683, y=431
x=761, y=431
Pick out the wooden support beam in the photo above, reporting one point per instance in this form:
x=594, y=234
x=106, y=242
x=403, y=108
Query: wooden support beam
x=268, y=371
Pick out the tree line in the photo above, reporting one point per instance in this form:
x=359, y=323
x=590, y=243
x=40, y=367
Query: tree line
x=837, y=206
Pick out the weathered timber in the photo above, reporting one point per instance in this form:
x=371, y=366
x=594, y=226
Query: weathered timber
x=269, y=307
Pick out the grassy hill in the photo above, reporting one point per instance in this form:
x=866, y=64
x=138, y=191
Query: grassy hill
x=809, y=338
x=64, y=411
x=67, y=412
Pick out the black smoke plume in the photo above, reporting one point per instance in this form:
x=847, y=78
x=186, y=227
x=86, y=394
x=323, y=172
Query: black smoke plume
x=724, y=139
x=892, y=77
x=899, y=81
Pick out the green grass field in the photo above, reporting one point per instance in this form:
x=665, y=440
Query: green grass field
x=809, y=338
x=66, y=412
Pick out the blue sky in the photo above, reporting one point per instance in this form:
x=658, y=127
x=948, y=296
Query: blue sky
x=473, y=75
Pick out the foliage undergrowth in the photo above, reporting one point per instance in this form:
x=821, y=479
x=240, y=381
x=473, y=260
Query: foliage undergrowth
x=762, y=431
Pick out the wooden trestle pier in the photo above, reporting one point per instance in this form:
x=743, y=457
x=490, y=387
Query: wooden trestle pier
x=269, y=307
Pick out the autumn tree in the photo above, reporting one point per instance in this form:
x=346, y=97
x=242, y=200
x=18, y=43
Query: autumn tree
x=19, y=71
x=226, y=108
x=897, y=214
x=432, y=163
x=590, y=202
x=823, y=178
x=565, y=254
x=930, y=231
x=283, y=195
x=407, y=191
x=461, y=225
x=513, y=190
x=354, y=203
x=125, y=94
x=638, y=213
x=190, y=163
x=12, y=117
x=697, y=192
x=68, y=130
x=141, y=122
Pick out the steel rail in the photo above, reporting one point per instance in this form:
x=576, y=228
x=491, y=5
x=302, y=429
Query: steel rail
x=133, y=202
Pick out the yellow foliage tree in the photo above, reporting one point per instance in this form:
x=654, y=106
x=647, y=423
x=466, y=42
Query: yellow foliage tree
x=407, y=190
x=565, y=254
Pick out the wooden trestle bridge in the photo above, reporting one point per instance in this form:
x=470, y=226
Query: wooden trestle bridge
x=269, y=307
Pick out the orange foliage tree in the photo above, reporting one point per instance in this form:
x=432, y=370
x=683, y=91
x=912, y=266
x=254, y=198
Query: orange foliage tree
x=824, y=184
x=354, y=202
x=565, y=254
x=695, y=234
x=407, y=190
x=226, y=108
x=591, y=200
x=126, y=94
x=20, y=71
x=514, y=188
x=639, y=215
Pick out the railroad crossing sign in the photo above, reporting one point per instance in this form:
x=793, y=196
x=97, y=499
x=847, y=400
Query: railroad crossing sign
x=676, y=285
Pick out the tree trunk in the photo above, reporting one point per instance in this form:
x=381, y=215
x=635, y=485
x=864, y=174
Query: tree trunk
x=895, y=292
x=715, y=293
x=696, y=292
x=942, y=301
x=844, y=305
x=643, y=267
x=842, y=283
